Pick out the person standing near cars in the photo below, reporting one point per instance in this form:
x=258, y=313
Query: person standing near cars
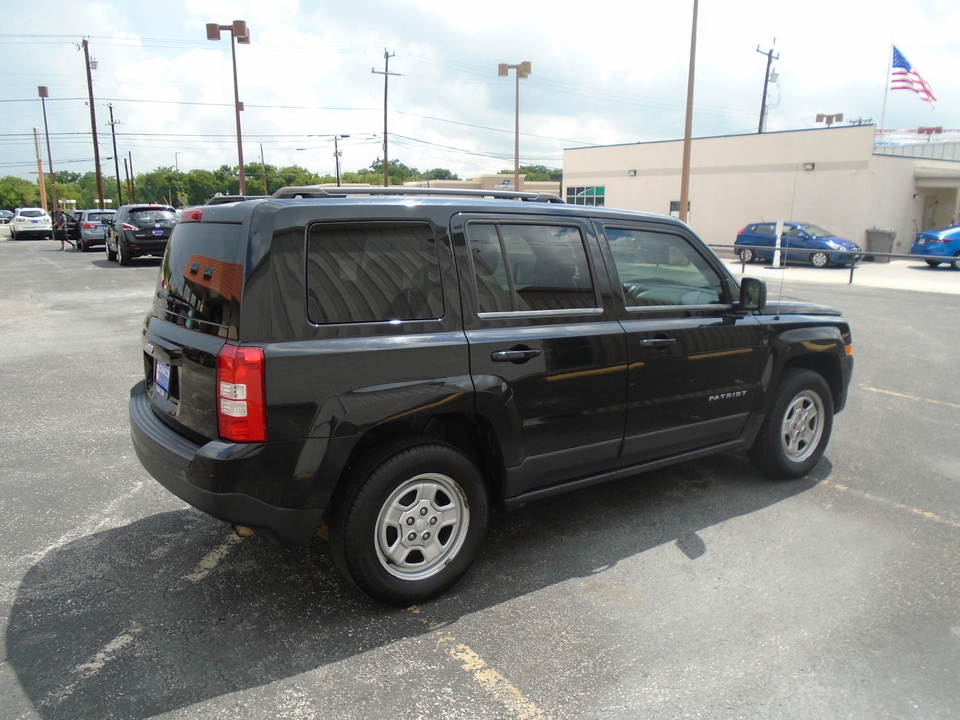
x=60, y=228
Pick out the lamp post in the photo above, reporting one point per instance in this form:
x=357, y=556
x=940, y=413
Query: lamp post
x=523, y=70
x=44, y=94
x=176, y=160
x=240, y=33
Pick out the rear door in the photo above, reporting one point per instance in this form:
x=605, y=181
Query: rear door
x=695, y=364
x=547, y=355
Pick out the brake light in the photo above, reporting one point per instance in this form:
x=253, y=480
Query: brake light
x=128, y=226
x=90, y=226
x=741, y=232
x=241, y=407
x=195, y=215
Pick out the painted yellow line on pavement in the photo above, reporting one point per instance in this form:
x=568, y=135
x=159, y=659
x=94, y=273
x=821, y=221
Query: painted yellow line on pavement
x=911, y=397
x=491, y=680
x=890, y=503
x=212, y=559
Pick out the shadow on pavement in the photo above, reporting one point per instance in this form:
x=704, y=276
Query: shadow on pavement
x=130, y=622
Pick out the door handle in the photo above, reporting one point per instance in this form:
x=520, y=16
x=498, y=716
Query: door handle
x=659, y=343
x=514, y=356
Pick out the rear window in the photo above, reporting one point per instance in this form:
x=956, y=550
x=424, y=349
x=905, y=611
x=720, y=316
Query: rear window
x=99, y=217
x=32, y=213
x=372, y=272
x=153, y=215
x=200, y=279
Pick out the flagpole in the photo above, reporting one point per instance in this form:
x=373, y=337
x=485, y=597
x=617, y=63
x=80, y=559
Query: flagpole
x=886, y=87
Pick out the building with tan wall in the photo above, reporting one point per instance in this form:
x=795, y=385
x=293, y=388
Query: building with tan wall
x=835, y=177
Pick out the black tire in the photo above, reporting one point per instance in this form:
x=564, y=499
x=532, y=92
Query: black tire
x=819, y=259
x=82, y=246
x=13, y=233
x=797, y=427
x=955, y=263
x=747, y=255
x=409, y=520
x=111, y=255
x=933, y=263
x=125, y=257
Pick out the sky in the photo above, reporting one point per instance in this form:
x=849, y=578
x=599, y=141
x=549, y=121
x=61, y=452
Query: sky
x=603, y=73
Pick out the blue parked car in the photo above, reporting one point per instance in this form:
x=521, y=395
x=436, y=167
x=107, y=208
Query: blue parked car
x=940, y=241
x=800, y=242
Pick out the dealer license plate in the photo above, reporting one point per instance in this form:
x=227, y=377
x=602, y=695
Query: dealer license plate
x=161, y=376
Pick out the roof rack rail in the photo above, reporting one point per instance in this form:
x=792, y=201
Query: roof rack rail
x=317, y=191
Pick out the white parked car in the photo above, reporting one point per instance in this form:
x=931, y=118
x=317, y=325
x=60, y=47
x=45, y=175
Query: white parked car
x=30, y=222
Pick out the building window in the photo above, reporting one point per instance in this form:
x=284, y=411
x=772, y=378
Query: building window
x=586, y=195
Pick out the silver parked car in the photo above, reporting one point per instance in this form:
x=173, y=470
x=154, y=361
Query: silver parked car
x=88, y=227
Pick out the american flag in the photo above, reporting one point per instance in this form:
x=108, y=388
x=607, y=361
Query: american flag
x=904, y=76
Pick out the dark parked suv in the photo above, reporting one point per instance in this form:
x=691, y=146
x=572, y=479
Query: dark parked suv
x=392, y=366
x=138, y=230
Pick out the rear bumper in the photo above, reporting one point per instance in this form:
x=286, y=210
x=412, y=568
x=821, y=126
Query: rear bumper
x=206, y=476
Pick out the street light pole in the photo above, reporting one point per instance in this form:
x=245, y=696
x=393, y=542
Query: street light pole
x=176, y=160
x=522, y=70
x=240, y=33
x=44, y=94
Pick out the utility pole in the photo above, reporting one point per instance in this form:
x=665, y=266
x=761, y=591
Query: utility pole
x=766, y=79
x=688, y=126
x=133, y=180
x=116, y=160
x=386, y=78
x=93, y=125
x=263, y=164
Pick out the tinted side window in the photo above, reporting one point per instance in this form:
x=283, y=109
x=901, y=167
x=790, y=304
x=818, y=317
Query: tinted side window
x=372, y=272
x=765, y=229
x=661, y=269
x=528, y=267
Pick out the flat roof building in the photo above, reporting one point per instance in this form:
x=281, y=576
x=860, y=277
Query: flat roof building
x=835, y=177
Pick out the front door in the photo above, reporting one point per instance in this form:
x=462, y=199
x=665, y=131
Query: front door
x=695, y=364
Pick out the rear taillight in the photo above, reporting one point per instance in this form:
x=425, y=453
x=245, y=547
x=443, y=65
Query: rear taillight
x=241, y=408
x=741, y=232
x=90, y=226
x=188, y=216
x=128, y=226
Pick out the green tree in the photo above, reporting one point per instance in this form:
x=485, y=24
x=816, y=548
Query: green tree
x=441, y=174
x=16, y=192
x=534, y=173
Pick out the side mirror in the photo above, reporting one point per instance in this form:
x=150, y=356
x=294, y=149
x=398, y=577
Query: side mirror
x=753, y=294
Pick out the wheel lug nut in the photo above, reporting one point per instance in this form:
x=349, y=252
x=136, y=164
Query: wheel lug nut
x=426, y=536
x=433, y=520
x=411, y=537
x=423, y=511
x=410, y=521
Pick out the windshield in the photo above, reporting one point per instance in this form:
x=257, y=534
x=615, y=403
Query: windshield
x=817, y=231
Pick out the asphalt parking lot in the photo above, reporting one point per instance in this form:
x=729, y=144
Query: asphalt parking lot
x=701, y=591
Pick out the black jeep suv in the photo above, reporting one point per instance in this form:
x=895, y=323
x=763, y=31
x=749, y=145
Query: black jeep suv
x=391, y=365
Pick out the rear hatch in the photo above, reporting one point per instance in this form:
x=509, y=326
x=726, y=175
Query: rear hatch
x=196, y=308
x=151, y=222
